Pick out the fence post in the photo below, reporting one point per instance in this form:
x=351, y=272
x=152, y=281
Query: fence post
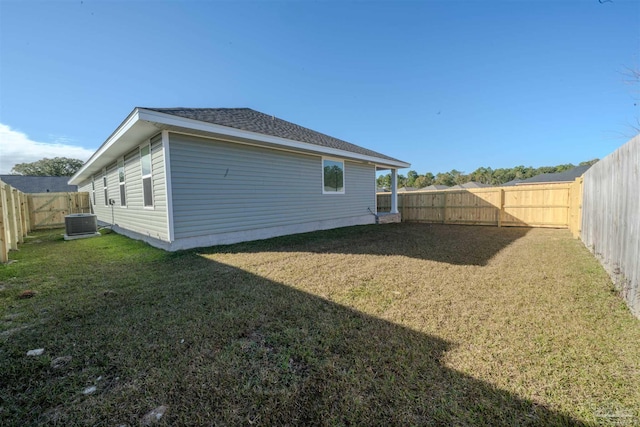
x=4, y=244
x=27, y=216
x=501, y=209
x=575, y=207
x=16, y=206
x=11, y=218
x=444, y=207
x=23, y=213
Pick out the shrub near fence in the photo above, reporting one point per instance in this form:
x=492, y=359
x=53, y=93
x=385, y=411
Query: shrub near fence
x=543, y=205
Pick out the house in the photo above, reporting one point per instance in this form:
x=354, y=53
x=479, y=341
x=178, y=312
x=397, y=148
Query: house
x=435, y=187
x=551, y=178
x=181, y=178
x=469, y=185
x=39, y=184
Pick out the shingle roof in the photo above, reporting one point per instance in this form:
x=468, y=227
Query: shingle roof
x=566, y=176
x=435, y=187
x=39, y=184
x=473, y=184
x=255, y=121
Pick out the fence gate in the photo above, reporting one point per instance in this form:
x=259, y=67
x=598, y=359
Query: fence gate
x=49, y=209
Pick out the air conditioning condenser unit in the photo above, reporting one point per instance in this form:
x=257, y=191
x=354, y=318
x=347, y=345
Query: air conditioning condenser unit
x=79, y=226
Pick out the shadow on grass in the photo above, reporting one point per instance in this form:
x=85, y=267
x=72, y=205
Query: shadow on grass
x=221, y=346
x=453, y=244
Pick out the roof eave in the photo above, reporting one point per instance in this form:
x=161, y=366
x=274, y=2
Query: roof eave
x=266, y=140
x=128, y=122
x=143, y=123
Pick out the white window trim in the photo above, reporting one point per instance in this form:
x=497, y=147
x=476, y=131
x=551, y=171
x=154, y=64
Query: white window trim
x=105, y=187
x=344, y=175
x=149, y=175
x=121, y=185
x=93, y=189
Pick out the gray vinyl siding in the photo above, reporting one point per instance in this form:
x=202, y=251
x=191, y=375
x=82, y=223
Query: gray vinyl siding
x=220, y=187
x=86, y=188
x=135, y=217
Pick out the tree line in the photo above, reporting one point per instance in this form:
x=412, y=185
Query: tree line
x=484, y=175
x=58, y=166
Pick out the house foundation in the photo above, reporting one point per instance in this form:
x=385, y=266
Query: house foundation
x=388, y=218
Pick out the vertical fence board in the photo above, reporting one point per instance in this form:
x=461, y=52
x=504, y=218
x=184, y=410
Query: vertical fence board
x=611, y=218
x=17, y=215
x=4, y=243
x=13, y=227
x=47, y=210
x=11, y=218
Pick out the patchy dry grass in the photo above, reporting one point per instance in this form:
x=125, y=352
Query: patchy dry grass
x=404, y=324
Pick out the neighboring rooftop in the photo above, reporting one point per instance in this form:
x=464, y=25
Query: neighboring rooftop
x=435, y=187
x=470, y=184
x=39, y=184
x=407, y=189
x=546, y=178
x=255, y=121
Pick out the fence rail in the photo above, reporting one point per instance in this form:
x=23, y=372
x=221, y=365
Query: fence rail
x=544, y=205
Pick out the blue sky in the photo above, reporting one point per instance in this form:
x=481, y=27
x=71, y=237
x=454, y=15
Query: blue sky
x=440, y=84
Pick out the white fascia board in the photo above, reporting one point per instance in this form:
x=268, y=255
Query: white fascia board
x=127, y=124
x=171, y=120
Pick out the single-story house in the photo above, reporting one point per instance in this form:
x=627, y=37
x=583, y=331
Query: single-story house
x=181, y=178
x=435, y=187
x=39, y=184
x=469, y=185
x=551, y=178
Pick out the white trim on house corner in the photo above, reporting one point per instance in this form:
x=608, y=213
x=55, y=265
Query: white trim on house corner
x=171, y=120
x=167, y=183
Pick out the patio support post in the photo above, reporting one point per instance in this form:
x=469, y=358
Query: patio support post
x=394, y=191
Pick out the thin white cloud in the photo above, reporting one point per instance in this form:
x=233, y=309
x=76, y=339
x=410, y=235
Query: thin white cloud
x=17, y=147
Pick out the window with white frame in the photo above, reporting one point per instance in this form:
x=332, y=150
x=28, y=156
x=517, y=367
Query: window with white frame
x=332, y=176
x=147, y=178
x=121, y=180
x=93, y=190
x=105, y=187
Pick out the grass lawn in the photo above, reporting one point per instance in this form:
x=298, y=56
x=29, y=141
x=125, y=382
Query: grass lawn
x=402, y=324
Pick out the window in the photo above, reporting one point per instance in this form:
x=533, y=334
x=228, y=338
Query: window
x=332, y=176
x=147, y=185
x=123, y=199
x=106, y=189
x=93, y=190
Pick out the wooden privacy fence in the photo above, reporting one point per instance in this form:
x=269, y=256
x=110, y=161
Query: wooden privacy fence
x=544, y=205
x=611, y=218
x=14, y=219
x=47, y=210
x=20, y=213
